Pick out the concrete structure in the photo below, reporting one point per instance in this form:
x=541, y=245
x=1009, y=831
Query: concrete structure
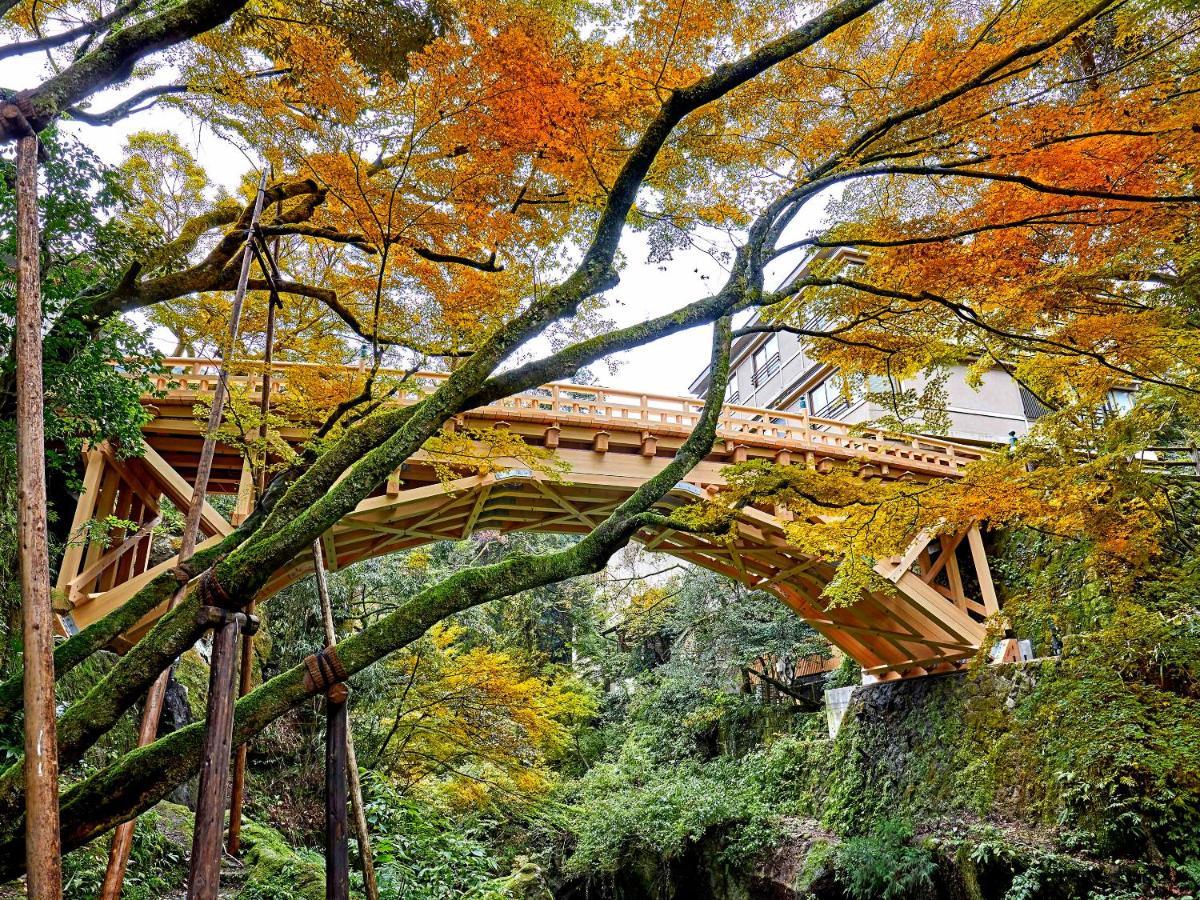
x=774, y=371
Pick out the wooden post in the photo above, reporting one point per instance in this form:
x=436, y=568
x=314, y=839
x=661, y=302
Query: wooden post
x=204, y=465
x=337, y=861
x=205, y=876
x=237, y=792
x=43, y=852
x=361, y=833
x=118, y=857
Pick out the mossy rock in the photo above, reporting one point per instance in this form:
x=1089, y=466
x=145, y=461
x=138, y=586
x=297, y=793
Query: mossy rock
x=276, y=870
x=192, y=674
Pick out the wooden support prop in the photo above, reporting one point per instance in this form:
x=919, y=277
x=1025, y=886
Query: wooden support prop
x=245, y=494
x=983, y=573
x=197, y=508
x=246, y=668
x=337, y=860
x=43, y=850
x=350, y=763
x=205, y=876
x=550, y=440
x=72, y=558
x=918, y=545
x=204, y=466
x=237, y=792
x=600, y=441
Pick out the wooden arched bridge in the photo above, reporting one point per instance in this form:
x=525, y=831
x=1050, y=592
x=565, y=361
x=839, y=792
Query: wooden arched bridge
x=611, y=441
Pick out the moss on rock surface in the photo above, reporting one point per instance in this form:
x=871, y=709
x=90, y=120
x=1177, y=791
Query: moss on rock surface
x=942, y=787
x=192, y=674
x=275, y=870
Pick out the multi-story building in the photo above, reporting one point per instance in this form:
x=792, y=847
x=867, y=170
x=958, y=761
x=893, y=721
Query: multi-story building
x=773, y=371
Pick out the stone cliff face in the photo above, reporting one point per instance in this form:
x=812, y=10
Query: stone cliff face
x=946, y=756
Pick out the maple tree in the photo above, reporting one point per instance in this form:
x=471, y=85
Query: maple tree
x=1021, y=186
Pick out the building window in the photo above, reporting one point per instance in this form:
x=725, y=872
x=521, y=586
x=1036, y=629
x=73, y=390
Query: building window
x=766, y=360
x=731, y=393
x=1119, y=401
x=1033, y=408
x=829, y=397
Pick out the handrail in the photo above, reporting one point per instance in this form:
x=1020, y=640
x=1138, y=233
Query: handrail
x=566, y=400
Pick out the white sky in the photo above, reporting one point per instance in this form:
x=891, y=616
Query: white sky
x=667, y=367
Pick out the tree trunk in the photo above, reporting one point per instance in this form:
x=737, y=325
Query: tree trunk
x=42, y=849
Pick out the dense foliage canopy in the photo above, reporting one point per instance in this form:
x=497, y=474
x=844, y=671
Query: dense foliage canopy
x=452, y=185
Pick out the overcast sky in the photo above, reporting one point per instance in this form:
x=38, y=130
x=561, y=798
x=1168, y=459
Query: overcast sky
x=667, y=366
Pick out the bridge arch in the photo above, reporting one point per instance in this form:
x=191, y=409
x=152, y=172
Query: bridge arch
x=610, y=442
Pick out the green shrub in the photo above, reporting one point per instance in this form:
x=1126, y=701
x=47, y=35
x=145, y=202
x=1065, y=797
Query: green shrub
x=886, y=865
x=157, y=863
x=421, y=854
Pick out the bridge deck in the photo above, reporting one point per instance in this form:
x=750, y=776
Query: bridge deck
x=611, y=441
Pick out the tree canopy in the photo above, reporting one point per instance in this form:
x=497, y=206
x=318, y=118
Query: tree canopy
x=1017, y=182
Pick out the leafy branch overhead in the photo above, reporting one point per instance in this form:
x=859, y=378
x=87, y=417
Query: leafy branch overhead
x=453, y=186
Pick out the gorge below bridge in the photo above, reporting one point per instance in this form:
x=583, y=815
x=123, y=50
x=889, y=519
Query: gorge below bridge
x=931, y=618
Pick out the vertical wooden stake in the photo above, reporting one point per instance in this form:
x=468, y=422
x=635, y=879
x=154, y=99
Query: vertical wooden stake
x=122, y=842
x=361, y=834
x=337, y=860
x=246, y=669
x=43, y=854
x=205, y=875
x=245, y=672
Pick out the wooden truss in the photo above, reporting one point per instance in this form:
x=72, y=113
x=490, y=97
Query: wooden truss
x=930, y=620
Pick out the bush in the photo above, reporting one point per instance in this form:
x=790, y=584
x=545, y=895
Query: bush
x=421, y=854
x=157, y=862
x=886, y=865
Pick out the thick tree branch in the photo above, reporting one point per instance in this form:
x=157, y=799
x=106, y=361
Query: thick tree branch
x=113, y=60
x=112, y=796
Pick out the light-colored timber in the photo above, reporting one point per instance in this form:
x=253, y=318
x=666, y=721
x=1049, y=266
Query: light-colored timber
x=611, y=441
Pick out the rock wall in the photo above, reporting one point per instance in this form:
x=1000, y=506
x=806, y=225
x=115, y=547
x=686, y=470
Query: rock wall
x=930, y=791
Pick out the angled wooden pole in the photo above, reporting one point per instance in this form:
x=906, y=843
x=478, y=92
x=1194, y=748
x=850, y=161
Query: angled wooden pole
x=361, y=833
x=204, y=466
x=118, y=857
x=42, y=844
x=246, y=669
x=205, y=877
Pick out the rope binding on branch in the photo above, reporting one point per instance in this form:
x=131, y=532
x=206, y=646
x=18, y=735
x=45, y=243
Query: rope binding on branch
x=323, y=671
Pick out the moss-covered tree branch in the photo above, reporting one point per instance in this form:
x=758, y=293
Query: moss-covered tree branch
x=143, y=777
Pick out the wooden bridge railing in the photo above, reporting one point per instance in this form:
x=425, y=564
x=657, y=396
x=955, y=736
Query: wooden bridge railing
x=188, y=376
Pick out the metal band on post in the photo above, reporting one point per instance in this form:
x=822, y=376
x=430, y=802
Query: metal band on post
x=323, y=671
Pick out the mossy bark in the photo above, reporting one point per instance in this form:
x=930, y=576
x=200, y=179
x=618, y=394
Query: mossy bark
x=99, y=635
x=140, y=779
